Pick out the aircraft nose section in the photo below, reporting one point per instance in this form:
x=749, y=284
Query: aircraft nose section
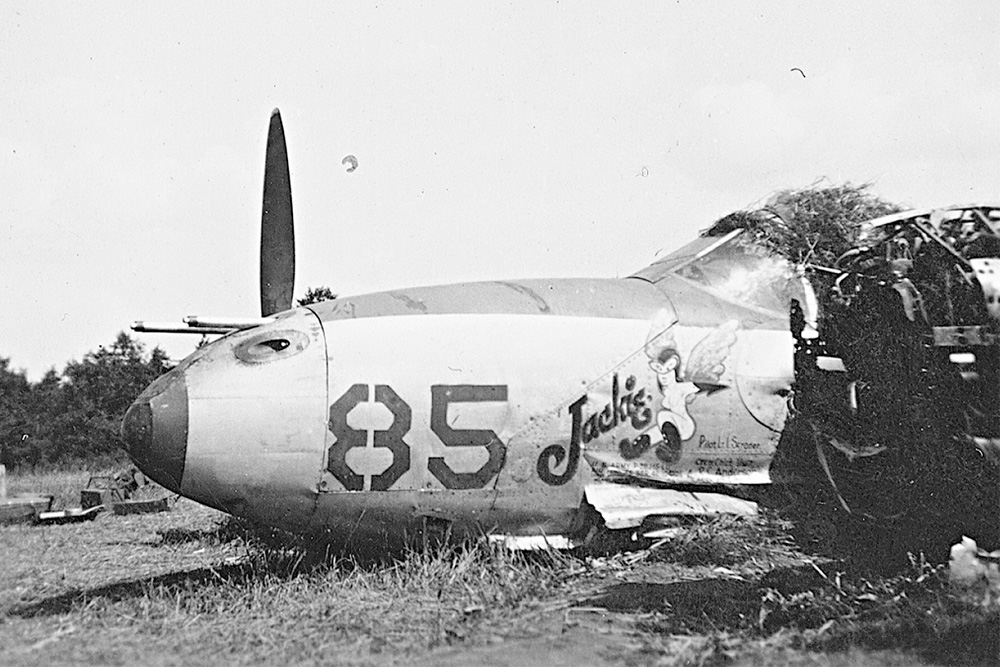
x=155, y=430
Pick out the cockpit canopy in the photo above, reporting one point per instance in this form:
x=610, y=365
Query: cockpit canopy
x=732, y=267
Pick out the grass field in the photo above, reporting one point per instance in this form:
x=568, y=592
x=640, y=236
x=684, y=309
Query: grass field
x=194, y=587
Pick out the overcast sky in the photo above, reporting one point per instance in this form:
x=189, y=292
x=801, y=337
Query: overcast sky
x=499, y=140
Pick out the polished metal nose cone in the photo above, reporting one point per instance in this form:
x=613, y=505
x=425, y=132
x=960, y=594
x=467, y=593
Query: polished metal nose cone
x=155, y=430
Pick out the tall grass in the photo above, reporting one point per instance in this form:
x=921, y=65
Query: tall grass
x=299, y=604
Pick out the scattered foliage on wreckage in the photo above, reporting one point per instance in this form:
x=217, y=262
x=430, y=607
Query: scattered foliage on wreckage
x=896, y=406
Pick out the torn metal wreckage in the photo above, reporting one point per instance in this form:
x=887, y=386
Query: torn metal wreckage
x=900, y=388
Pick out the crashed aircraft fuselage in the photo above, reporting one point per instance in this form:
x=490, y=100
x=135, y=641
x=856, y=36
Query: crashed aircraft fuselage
x=500, y=406
x=518, y=408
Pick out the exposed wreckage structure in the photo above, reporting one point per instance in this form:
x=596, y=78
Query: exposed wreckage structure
x=897, y=364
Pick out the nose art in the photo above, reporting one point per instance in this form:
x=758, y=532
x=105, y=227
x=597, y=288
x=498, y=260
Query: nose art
x=155, y=430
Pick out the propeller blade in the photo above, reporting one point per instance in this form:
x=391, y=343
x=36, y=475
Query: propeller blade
x=277, y=231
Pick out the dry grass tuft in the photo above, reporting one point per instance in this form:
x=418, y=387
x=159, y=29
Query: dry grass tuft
x=728, y=541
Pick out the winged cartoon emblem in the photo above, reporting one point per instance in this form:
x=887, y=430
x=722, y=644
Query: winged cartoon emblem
x=680, y=382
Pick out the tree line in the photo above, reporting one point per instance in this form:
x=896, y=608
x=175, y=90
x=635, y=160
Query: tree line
x=74, y=415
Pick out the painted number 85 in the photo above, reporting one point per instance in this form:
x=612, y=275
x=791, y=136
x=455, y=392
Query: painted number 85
x=392, y=438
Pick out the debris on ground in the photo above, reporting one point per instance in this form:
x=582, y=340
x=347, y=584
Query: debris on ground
x=107, y=489
x=140, y=506
x=116, y=492
x=22, y=507
x=71, y=515
x=976, y=571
